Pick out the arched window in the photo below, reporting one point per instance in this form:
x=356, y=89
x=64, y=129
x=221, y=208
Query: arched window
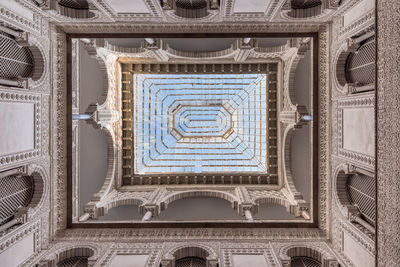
x=305, y=8
x=191, y=8
x=361, y=190
x=74, y=8
x=77, y=257
x=356, y=193
x=360, y=65
x=305, y=256
x=16, y=191
x=16, y=61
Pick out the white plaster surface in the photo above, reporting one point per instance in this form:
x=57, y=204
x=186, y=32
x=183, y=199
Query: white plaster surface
x=129, y=261
x=17, y=132
x=250, y=6
x=358, y=11
x=358, y=130
x=17, y=9
x=249, y=260
x=18, y=253
x=356, y=253
x=128, y=6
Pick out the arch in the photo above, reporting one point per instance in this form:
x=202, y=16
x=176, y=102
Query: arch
x=278, y=201
x=22, y=58
x=40, y=178
x=191, y=251
x=354, y=193
x=111, y=164
x=78, y=9
x=21, y=195
x=39, y=58
x=287, y=170
x=361, y=193
x=191, y=8
x=16, y=61
x=339, y=67
x=360, y=65
x=122, y=202
x=290, y=252
x=354, y=64
x=16, y=192
x=84, y=255
x=305, y=8
x=194, y=194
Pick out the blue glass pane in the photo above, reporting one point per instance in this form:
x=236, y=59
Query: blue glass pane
x=200, y=123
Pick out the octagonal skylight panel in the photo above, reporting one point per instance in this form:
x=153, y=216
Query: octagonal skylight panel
x=200, y=123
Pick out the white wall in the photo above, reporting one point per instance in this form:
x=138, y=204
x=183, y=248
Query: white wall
x=359, y=130
x=129, y=261
x=356, y=253
x=18, y=253
x=17, y=132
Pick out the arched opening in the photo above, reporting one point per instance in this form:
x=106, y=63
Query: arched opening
x=191, y=256
x=305, y=8
x=16, y=191
x=360, y=65
x=74, y=9
x=74, y=257
x=297, y=256
x=16, y=61
x=356, y=193
x=361, y=190
x=191, y=8
x=19, y=193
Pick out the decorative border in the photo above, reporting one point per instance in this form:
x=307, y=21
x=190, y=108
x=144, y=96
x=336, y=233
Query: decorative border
x=16, y=97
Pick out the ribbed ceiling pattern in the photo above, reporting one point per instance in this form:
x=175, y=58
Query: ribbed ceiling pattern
x=360, y=66
x=304, y=4
x=361, y=189
x=190, y=262
x=191, y=4
x=76, y=4
x=304, y=262
x=74, y=262
x=15, y=192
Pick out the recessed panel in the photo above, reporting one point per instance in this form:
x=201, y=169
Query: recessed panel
x=249, y=260
x=18, y=131
x=359, y=130
x=128, y=6
x=19, y=252
x=251, y=6
x=129, y=261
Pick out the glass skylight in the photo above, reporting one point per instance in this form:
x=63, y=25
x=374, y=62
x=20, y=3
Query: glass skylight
x=200, y=123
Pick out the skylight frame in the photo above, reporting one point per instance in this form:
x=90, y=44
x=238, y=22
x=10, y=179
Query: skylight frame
x=246, y=178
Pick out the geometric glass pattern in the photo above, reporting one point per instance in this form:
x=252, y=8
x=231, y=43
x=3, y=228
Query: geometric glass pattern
x=200, y=123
